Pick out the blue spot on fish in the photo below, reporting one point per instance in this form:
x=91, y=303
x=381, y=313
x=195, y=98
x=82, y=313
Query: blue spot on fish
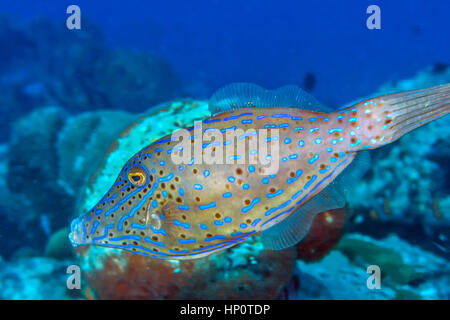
x=249, y=207
x=181, y=224
x=313, y=159
x=207, y=206
x=198, y=186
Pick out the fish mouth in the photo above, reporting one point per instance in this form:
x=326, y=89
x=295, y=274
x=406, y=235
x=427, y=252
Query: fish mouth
x=77, y=235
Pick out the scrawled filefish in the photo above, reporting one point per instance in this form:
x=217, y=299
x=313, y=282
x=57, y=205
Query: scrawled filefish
x=160, y=208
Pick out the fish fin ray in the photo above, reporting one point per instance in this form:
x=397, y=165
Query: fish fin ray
x=245, y=95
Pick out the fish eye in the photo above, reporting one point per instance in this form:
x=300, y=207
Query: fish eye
x=137, y=176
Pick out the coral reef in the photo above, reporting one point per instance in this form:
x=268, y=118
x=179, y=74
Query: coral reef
x=73, y=159
x=32, y=161
x=335, y=277
x=407, y=271
x=139, y=80
x=35, y=278
x=80, y=142
x=408, y=183
x=409, y=180
x=243, y=272
x=325, y=233
x=32, y=165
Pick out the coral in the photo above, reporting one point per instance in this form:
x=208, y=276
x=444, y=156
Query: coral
x=10, y=226
x=42, y=64
x=83, y=141
x=335, y=277
x=33, y=165
x=408, y=180
x=73, y=160
x=407, y=272
x=366, y=252
x=243, y=272
x=34, y=56
x=133, y=80
x=431, y=76
x=324, y=235
x=35, y=279
x=404, y=267
x=57, y=246
x=32, y=147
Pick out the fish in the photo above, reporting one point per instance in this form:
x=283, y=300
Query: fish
x=46, y=225
x=161, y=208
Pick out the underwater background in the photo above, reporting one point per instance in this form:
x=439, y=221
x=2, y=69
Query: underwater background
x=76, y=104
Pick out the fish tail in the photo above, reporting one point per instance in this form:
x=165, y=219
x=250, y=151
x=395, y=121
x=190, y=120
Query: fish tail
x=384, y=119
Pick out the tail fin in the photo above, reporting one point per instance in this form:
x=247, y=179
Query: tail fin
x=389, y=117
x=412, y=109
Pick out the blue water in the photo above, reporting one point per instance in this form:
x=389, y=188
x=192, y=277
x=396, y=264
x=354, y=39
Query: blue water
x=272, y=43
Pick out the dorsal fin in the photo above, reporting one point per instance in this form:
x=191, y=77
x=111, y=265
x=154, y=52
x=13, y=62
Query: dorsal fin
x=294, y=228
x=244, y=95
